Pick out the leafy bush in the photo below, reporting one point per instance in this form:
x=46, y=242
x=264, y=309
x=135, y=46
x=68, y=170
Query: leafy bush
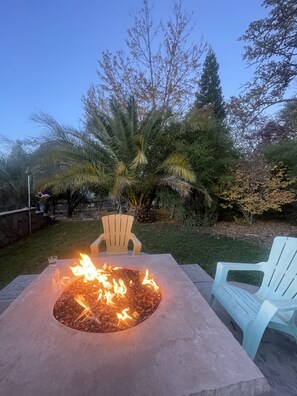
x=196, y=216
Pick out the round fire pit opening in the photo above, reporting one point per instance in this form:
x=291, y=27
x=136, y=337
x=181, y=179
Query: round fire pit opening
x=122, y=302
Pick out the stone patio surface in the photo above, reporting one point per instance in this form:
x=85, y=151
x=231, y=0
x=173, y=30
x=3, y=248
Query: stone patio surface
x=277, y=354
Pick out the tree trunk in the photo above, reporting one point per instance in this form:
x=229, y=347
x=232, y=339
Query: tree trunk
x=143, y=214
x=172, y=212
x=248, y=216
x=70, y=209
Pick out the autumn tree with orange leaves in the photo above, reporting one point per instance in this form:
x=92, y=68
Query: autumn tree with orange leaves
x=258, y=187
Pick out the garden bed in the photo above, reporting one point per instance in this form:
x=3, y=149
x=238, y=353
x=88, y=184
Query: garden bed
x=259, y=232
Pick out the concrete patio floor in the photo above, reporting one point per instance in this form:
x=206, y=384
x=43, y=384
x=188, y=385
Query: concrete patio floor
x=277, y=354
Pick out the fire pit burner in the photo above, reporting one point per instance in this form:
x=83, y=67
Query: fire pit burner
x=107, y=300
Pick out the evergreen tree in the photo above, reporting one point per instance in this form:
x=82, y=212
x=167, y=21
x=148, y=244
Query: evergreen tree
x=210, y=91
x=209, y=148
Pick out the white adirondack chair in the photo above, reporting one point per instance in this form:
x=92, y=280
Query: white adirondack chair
x=274, y=305
x=117, y=234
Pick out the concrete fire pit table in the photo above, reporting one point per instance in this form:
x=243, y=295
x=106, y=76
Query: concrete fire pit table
x=182, y=349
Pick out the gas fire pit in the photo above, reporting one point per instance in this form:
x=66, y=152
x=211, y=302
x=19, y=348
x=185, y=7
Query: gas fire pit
x=108, y=299
x=181, y=349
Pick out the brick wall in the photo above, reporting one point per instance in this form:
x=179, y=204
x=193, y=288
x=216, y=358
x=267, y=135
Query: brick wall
x=15, y=224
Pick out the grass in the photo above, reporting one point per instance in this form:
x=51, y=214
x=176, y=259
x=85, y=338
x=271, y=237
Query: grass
x=68, y=239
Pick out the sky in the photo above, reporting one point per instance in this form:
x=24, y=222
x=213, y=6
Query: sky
x=49, y=51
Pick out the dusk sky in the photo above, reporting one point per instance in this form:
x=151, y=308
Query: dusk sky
x=49, y=51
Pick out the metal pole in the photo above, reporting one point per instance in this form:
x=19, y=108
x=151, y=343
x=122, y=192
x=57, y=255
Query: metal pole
x=29, y=199
x=29, y=204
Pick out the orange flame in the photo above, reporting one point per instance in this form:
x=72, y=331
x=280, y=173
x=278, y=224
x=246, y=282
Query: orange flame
x=119, y=288
x=109, y=289
x=86, y=268
x=83, y=303
x=109, y=296
x=149, y=281
x=90, y=272
x=123, y=316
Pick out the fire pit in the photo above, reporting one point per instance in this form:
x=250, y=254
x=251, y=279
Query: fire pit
x=181, y=349
x=108, y=299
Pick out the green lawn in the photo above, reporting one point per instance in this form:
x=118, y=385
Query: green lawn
x=67, y=239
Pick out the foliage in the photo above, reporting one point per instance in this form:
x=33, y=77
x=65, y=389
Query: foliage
x=45, y=166
x=209, y=147
x=5, y=145
x=258, y=187
x=244, y=123
x=288, y=116
x=120, y=153
x=273, y=132
x=285, y=152
x=252, y=131
x=194, y=213
x=210, y=90
x=284, y=149
x=160, y=69
x=13, y=178
x=198, y=209
x=68, y=239
x=271, y=48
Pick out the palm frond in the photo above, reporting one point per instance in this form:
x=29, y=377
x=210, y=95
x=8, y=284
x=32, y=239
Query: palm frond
x=55, y=131
x=132, y=114
x=178, y=165
x=207, y=200
x=176, y=184
x=5, y=144
x=152, y=130
x=123, y=179
x=76, y=177
x=99, y=127
x=140, y=157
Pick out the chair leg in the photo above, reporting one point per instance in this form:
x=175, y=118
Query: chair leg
x=251, y=343
x=255, y=329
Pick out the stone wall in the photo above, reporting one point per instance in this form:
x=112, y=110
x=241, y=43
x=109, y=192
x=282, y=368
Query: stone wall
x=15, y=224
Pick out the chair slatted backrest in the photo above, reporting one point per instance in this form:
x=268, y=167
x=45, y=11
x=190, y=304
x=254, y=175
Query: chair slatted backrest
x=280, y=276
x=117, y=231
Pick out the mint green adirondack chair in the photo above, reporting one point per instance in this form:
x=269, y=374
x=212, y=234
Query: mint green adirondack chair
x=274, y=305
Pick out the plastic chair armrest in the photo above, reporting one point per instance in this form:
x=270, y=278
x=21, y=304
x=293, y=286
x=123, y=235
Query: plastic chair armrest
x=269, y=308
x=136, y=244
x=223, y=269
x=96, y=244
x=283, y=304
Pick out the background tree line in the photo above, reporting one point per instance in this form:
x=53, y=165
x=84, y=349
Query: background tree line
x=158, y=133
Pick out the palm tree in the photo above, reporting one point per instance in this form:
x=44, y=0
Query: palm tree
x=118, y=152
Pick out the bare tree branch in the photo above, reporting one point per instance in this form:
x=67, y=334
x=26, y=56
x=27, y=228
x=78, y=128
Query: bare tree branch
x=160, y=68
